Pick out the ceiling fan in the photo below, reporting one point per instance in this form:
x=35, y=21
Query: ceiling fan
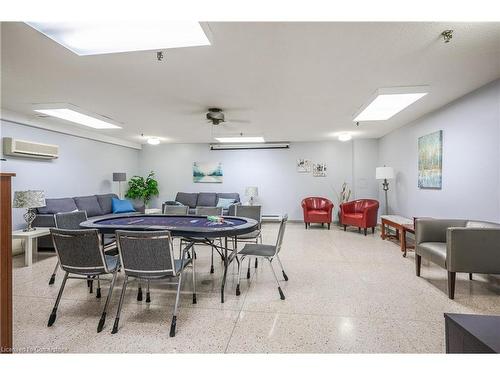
x=216, y=116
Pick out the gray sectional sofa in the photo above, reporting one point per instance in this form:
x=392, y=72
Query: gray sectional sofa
x=95, y=205
x=193, y=200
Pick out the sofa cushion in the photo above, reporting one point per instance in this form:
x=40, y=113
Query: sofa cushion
x=121, y=206
x=207, y=199
x=434, y=251
x=89, y=204
x=225, y=202
x=56, y=205
x=187, y=199
x=481, y=224
x=105, y=201
x=234, y=196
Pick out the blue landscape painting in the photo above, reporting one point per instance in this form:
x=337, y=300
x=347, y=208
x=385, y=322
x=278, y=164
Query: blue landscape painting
x=430, y=160
x=207, y=172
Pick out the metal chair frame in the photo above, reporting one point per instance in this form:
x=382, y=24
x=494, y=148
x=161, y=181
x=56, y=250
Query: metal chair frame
x=148, y=275
x=82, y=275
x=277, y=248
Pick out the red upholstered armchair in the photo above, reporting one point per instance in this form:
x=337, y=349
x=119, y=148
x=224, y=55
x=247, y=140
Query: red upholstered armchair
x=361, y=213
x=317, y=210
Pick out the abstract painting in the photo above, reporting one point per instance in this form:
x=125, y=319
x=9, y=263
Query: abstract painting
x=303, y=165
x=430, y=160
x=207, y=172
x=319, y=170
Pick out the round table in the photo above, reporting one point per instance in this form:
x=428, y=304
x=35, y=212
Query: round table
x=190, y=227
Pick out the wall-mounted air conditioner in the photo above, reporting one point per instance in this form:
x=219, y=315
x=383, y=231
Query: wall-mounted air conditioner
x=18, y=147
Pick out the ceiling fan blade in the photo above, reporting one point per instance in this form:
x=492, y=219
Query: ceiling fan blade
x=238, y=121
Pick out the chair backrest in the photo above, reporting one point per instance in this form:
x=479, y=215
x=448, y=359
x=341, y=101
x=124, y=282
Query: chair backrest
x=146, y=254
x=175, y=210
x=361, y=204
x=317, y=203
x=252, y=212
x=70, y=220
x=281, y=233
x=79, y=251
x=208, y=211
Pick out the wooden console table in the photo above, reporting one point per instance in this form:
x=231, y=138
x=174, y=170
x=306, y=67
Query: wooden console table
x=401, y=225
x=5, y=263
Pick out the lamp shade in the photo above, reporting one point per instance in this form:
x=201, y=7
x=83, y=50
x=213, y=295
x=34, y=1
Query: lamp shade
x=252, y=191
x=29, y=199
x=119, y=176
x=383, y=173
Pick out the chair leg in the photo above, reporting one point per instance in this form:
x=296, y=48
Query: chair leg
x=148, y=295
x=53, y=276
x=120, y=304
x=98, y=291
x=418, y=264
x=240, y=266
x=359, y=230
x=373, y=230
x=282, y=296
x=365, y=231
x=212, y=261
x=305, y=225
x=470, y=276
x=194, y=280
x=328, y=226
x=451, y=284
x=248, y=269
x=282, y=269
x=345, y=228
x=53, y=315
x=139, y=291
x=108, y=298
x=174, y=317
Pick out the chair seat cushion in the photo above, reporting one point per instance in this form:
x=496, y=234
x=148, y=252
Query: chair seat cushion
x=258, y=250
x=354, y=216
x=434, y=251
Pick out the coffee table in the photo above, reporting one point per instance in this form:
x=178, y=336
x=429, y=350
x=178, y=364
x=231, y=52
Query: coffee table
x=401, y=225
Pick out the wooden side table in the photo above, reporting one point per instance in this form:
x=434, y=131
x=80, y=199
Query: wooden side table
x=398, y=223
x=30, y=241
x=406, y=228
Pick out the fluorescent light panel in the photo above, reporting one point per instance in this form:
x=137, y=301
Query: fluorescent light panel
x=388, y=102
x=344, y=137
x=240, y=139
x=69, y=113
x=93, y=38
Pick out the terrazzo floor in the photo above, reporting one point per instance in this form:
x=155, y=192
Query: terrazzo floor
x=346, y=293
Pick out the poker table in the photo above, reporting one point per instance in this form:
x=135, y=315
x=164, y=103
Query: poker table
x=193, y=229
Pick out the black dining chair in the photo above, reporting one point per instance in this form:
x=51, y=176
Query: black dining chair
x=269, y=252
x=81, y=255
x=149, y=256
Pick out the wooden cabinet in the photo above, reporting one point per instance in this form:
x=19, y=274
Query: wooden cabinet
x=5, y=262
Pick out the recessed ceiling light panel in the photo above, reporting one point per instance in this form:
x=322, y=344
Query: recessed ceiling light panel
x=389, y=101
x=94, y=38
x=344, y=137
x=77, y=115
x=153, y=141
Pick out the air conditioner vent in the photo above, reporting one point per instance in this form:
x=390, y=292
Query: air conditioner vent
x=18, y=147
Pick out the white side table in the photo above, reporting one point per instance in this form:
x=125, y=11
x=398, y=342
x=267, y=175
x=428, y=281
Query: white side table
x=30, y=241
x=152, y=211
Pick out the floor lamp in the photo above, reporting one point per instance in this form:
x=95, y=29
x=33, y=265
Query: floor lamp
x=385, y=173
x=119, y=177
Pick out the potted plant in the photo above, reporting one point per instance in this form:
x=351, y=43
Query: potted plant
x=143, y=189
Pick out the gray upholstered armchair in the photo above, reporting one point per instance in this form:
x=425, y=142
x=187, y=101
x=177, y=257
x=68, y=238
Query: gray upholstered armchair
x=458, y=246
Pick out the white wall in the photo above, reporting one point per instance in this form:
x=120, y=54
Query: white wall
x=471, y=160
x=281, y=187
x=365, y=161
x=84, y=167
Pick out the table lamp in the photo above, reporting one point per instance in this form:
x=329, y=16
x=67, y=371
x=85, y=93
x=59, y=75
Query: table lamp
x=119, y=177
x=252, y=192
x=385, y=173
x=29, y=199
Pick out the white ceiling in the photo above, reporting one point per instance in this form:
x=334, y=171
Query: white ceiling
x=290, y=81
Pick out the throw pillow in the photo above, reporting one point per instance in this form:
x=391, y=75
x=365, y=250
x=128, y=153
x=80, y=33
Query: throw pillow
x=121, y=206
x=225, y=202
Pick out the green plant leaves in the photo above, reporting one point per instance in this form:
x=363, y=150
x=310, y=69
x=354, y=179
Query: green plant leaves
x=143, y=188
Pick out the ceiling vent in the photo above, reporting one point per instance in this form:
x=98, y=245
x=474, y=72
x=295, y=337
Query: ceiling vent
x=18, y=147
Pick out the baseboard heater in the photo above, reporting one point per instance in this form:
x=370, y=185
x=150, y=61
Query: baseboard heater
x=272, y=217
